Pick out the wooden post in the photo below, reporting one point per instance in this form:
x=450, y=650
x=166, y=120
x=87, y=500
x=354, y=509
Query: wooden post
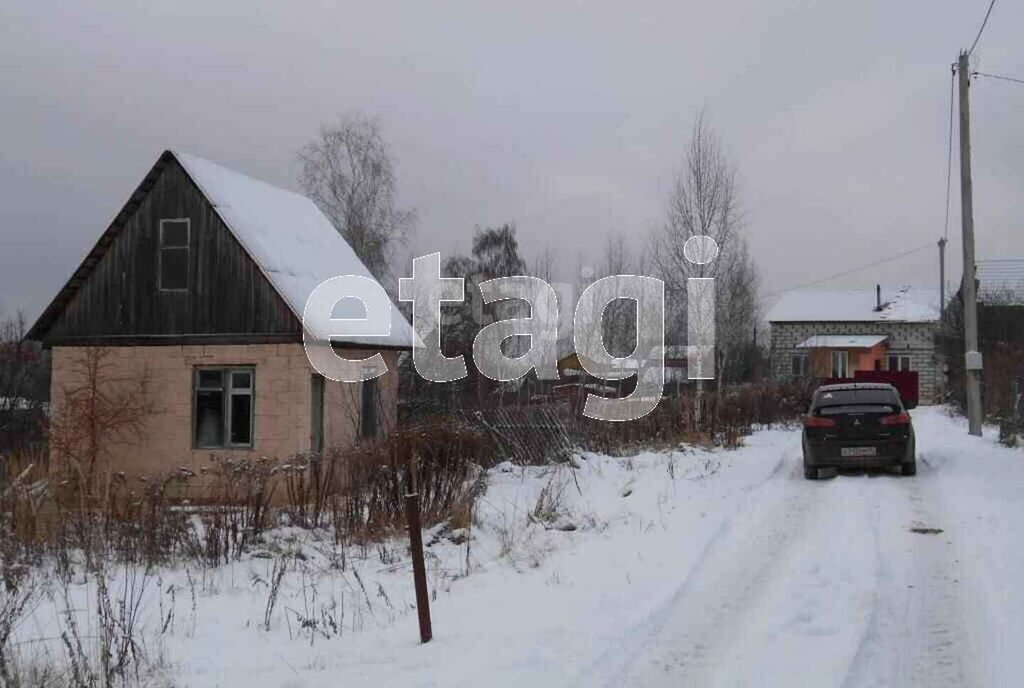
x=419, y=569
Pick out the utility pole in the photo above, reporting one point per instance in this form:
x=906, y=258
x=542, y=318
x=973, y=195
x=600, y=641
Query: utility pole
x=942, y=278
x=972, y=357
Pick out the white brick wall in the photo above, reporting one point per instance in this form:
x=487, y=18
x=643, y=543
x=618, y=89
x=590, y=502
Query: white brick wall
x=914, y=339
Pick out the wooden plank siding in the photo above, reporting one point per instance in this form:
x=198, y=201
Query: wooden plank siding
x=118, y=299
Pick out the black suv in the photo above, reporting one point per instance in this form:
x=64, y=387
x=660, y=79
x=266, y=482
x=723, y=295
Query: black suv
x=857, y=425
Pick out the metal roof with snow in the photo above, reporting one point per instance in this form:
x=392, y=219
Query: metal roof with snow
x=1001, y=280
x=905, y=304
x=842, y=341
x=291, y=240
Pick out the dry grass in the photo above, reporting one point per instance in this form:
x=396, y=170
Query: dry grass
x=439, y=460
x=723, y=419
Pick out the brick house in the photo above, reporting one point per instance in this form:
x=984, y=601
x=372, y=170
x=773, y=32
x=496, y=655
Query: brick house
x=198, y=287
x=823, y=333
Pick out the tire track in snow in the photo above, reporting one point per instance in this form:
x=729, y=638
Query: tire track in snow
x=812, y=584
x=616, y=658
x=680, y=646
x=916, y=636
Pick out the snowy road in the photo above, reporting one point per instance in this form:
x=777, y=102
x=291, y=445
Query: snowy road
x=826, y=583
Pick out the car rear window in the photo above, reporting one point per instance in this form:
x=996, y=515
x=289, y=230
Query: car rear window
x=856, y=397
x=855, y=408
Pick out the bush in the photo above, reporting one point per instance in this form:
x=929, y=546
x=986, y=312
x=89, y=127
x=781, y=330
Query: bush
x=442, y=459
x=714, y=418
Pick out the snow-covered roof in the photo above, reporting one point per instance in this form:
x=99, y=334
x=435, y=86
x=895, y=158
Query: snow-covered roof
x=1001, y=280
x=904, y=304
x=841, y=341
x=290, y=239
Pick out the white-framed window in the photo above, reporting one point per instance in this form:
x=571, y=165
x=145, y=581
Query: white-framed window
x=173, y=254
x=222, y=407
x=800, y=365
x=840, y=364
x=899, y=362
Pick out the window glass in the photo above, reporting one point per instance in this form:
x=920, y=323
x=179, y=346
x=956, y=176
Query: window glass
x=316, y=431
x=840, y=364
x=210, y=379
x=241, y=380
x=174, y=233
x=209, y=418
x=799, y=364
x=174, y=251
x=857, y=397
x=857, y=408
x=899, y=363
x=368, y=414
x=241, y=419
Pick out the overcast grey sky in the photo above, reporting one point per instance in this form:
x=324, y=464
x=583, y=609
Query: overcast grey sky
x=568, y=119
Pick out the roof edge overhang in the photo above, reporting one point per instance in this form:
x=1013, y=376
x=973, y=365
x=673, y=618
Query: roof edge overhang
x=209, y=339
x=833, y=341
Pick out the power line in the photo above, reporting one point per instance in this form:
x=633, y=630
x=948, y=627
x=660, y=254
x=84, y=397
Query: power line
x=999, y=76
x=983, y=23
x=949, y=149
x=859, y=268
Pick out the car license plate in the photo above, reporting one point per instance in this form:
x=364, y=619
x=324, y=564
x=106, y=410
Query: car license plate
x=857, y=451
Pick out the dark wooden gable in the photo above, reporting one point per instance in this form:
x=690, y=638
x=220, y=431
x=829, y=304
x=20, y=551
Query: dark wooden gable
x=114, y=297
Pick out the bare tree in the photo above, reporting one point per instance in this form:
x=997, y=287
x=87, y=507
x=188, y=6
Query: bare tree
x=97, y=410
x=705, y=202
x=496, y=251
x=22, y=373
x=23, y=386
x=736, y=311
x=618, y=322
x=544, y=265
x=350, y=174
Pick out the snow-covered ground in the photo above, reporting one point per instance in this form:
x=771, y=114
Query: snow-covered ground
x=687, y=568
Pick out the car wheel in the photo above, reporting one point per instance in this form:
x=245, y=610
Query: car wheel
x=909, y=468
x=810, y=472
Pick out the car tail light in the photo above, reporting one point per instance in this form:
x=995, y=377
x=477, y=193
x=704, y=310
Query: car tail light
x=818, y=422
x=896, y=419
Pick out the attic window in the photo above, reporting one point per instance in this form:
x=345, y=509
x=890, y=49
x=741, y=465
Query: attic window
x=173, y=258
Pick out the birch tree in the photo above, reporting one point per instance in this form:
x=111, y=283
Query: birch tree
x=705, y=201
x=349, y=172
x=618, y=322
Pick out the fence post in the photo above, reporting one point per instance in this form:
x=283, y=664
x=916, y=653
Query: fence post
x=419, y=569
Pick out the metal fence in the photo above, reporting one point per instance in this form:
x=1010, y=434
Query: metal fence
x=526, y=435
